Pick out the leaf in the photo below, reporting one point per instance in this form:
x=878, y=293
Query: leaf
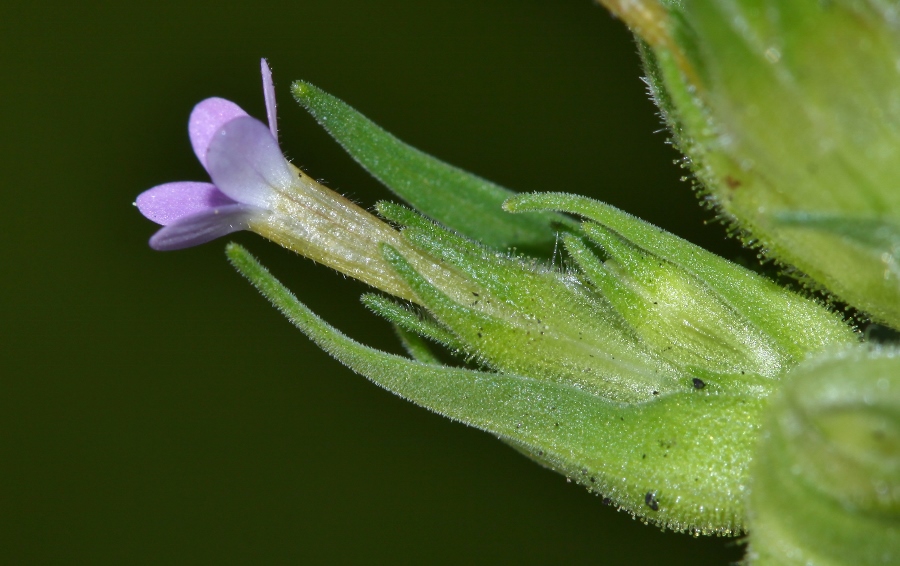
x=458, y=199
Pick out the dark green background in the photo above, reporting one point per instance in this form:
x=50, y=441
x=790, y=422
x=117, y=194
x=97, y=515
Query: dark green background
x=154, y=409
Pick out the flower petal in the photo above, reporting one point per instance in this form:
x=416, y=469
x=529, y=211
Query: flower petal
x=204, y=226
x=169, y=203
x=245, y=162
x=206, y=119
x=269, y=96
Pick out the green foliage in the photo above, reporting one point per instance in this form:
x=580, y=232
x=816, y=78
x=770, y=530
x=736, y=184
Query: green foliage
x=658, y=418
x=640, y=370
x=683, y=388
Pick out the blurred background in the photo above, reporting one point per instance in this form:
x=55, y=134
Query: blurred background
x=155, y=409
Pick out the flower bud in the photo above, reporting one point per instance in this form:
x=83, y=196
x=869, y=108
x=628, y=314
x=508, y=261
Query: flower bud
x=708, y=317
x=789, y=113
x=675, y=312
x=826, y=473
x=522, y=317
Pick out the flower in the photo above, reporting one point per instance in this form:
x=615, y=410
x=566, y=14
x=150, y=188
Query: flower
x=255, y=188
x=246, y=165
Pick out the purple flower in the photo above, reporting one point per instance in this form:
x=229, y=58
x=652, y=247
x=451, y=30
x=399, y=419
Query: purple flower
x=247, y=168
x=255, y=188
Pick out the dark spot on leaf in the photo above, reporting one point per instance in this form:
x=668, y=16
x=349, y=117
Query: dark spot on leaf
x=698, y=383
x=650, y=500
x=607, y=501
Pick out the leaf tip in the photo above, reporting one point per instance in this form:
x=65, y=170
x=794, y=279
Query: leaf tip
x=302, y=91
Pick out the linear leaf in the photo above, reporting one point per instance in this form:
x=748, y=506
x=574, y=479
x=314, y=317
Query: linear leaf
x=458, y=199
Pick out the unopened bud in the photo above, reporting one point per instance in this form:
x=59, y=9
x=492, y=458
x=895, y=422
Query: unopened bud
x=790, y=115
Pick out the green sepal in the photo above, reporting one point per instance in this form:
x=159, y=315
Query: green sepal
x=408, y=320
x=678, y=461
x=799, y=325
x=416, y=346
x=458, y=199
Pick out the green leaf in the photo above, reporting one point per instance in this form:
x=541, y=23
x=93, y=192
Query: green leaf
x=458, y=199
x=679, y=461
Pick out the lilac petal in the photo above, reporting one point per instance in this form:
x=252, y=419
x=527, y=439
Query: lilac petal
x=206, y=119
x=204, y=226
x=269, y=96
x=169, y=203
x=245, y=162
